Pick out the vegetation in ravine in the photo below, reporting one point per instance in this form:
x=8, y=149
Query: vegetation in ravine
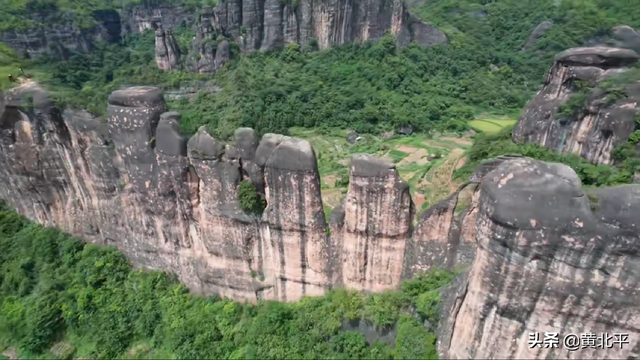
x=60, y=298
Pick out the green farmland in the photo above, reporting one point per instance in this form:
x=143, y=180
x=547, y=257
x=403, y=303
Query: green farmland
x=491, y=124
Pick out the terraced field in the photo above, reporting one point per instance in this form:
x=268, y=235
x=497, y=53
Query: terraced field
x=491, y=124
x=426, y=163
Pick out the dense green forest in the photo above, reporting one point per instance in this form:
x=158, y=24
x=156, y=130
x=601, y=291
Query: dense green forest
x=61, y=298
x=366, y=87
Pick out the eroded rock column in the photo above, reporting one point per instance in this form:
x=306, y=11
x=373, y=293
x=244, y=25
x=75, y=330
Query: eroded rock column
x=226, y=239
x=295, y=242
x=370, y=231
x=599, y=122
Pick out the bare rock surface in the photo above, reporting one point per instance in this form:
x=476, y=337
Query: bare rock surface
x=168, y=202
x=621, y=36
x=272, y=24
x=537, y=33
x=541, y=255
x=171, y=203
x=167, y=51
x=547, y=260
x=603, y=121
x=372, y=227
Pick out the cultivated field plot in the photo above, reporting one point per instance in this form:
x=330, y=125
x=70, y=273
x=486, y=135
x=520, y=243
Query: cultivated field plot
x=491, y=124
x=425, y=162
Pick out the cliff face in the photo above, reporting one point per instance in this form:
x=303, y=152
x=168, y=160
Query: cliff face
x=168, y=204
x=603, y=118
x=209, y=51
x=272, y=23
x=371, y=228
x=57, y=35
x=547, y=260
x=171, y=203
x=544, y=256
x=252, y=24
x=167, y=51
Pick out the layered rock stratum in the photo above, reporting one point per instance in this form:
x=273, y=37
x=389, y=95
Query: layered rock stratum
x=540, y=253
x=605, y=115
x=171, y=203
x=550, y=258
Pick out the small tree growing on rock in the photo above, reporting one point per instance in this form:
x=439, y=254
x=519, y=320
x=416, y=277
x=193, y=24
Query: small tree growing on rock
x=250, y=200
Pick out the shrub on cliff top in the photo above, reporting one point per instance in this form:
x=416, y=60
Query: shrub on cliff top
x=487, y=146
x=250, y=200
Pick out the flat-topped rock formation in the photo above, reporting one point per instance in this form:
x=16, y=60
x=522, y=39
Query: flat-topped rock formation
x=597, y=116
x=550, y=258
x=171, y=203
x=541, y=254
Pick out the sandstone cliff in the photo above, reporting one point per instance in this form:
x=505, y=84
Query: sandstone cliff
x=252, y=24
x=58, y=35
x=550, y=258
x=544, y=255
x=209, y=51
x=602, y=118
x=171, y=203
x=168, y=204
x=256, y=25
x=371, y=228
x=167, y=51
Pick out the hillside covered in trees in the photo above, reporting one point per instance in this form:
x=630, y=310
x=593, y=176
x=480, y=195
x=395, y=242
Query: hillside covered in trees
x=60, y=298
x=366, y=87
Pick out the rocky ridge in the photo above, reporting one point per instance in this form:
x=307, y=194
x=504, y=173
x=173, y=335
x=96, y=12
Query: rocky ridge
x=602, y=117
x=252, y=25
x=544, y=255
x=171, y=203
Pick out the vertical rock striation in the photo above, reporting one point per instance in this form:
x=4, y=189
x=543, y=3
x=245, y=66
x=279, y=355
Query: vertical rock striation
x=167, y=51
x=604, y=116
x=57, y=35
x=270, y=24
x=168, y=203
x=544, y=255
x=371, y=229
x=547, y=261
x=209, y=52
x=294, y=227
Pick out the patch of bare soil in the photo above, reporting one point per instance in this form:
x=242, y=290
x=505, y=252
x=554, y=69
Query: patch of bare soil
x=11, y=353
x=442, y=183
x=418, y=156
x=418, y=199
x=459, y=141
x=332, y=197
x=330, y=180
x=461, y=163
